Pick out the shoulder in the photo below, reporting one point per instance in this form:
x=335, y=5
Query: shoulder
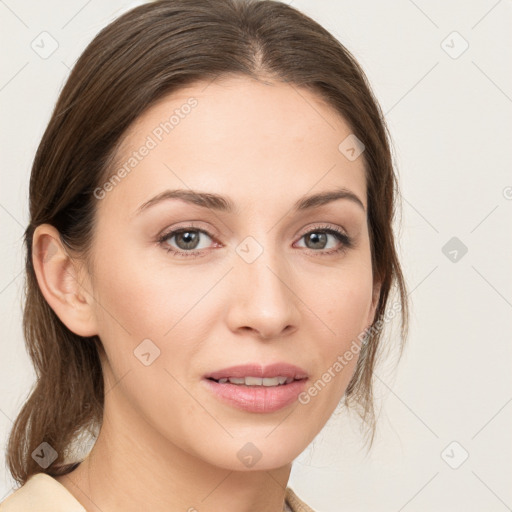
x=41, y=493
x=294, y=503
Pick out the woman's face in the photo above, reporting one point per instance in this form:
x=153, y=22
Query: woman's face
x=249, y=279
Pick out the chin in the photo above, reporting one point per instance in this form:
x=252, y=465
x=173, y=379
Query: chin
x=258, y=452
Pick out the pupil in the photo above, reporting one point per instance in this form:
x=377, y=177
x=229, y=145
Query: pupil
x=190, y=239
x=315, y=238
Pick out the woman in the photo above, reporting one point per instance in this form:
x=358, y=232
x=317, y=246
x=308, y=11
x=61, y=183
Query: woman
x=210, y=255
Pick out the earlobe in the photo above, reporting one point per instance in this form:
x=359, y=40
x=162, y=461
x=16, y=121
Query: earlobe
x=58, y=278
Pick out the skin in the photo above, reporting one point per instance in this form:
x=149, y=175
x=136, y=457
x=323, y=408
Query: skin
x=166, y=442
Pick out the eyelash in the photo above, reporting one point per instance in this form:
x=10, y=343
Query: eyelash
x=346, y=241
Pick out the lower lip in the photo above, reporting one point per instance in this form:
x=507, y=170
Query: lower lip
x=257, y=398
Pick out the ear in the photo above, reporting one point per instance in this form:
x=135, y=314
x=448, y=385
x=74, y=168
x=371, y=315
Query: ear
x=60, y=282
x=375, y=302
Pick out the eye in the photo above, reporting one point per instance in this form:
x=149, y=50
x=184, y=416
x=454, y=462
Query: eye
x=318, y=240
x=189, y=241
x=192, y=241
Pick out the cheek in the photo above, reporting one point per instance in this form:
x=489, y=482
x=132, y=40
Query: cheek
x=348, y=310
x=341, y=298
x=342, y=303
x=149, y=327
x=146, y=298
x=140, y=300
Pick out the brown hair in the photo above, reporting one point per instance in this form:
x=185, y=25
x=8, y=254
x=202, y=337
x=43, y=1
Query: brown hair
x=149, y=52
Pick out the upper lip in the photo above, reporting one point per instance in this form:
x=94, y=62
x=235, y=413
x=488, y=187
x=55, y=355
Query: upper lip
x=257, y=370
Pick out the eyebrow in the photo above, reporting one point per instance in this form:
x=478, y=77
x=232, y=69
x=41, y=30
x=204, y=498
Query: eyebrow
x=224, y=204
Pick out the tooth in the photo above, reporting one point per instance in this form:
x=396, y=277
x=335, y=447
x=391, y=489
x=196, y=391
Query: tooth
x=257, y=381
x=237, y=380
x=270, y=381
x=253, y=381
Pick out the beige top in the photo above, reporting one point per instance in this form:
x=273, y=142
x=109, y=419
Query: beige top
x=42, y=493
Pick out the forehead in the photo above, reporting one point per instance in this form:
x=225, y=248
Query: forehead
x=254, y=141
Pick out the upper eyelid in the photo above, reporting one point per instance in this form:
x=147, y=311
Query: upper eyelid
x=191, y=227
x=167, y=233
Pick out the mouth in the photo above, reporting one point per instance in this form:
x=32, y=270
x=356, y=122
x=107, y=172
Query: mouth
x=256, y=381
x=255, y=371
x=254, y=388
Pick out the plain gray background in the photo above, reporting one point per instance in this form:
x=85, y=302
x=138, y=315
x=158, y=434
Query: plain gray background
x=449, y=109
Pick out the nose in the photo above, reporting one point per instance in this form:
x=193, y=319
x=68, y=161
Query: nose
x=262, y=299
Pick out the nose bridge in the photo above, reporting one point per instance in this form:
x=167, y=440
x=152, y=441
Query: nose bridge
x=264, y=299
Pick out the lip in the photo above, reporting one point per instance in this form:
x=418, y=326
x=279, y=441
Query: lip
x=257, y=399
x=257, y=370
